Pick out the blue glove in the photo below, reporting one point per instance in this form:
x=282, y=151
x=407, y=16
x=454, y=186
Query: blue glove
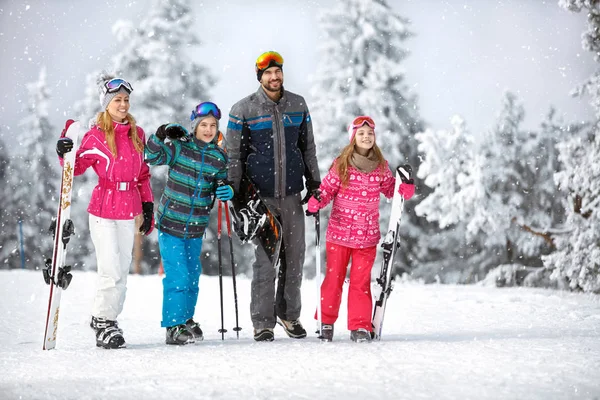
x=224, y=193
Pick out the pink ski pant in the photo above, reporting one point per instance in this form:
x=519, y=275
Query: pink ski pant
x=360, y=303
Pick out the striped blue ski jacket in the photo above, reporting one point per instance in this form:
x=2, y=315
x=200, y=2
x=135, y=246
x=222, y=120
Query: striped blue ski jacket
x=273, y=143
x=194, y=169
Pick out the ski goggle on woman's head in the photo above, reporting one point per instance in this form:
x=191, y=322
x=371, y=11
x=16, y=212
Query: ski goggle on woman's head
x=114, y=85
x=269, y=59
x=204, y=109
x=363, y=119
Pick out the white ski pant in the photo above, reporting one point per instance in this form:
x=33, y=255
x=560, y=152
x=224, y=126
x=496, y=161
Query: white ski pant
x=113, y=241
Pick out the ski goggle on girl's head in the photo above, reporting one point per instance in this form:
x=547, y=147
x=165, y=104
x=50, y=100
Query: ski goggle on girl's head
x=363, y=119
x=114, y=85
x=204, y=109
x=269, y=59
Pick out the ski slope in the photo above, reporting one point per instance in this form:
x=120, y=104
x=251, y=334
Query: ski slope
x=439, y=342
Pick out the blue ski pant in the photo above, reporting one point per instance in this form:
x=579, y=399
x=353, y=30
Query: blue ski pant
x=181, y=263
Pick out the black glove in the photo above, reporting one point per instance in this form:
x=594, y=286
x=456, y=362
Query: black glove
x=176, y=132
x=64, y=145
x=406, y=174
x=161, y=132
x=148, y=224
x=312, y=189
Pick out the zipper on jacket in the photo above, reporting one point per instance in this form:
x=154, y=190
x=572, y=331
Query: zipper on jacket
x=280, y=136
x=199, y=180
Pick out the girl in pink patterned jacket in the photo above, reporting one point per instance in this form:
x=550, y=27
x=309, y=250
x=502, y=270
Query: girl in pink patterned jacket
x=354, y=183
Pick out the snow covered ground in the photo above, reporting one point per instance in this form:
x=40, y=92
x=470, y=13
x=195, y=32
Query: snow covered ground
x=440, y=342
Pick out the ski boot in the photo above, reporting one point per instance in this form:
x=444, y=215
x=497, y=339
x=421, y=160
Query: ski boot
x=326, y=332
x=194, y=328
x=360, y=335
x=108, y=333
x=179, y=335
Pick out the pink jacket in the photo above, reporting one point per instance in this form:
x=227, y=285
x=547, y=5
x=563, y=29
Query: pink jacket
x=354, y=220
x=123, y=183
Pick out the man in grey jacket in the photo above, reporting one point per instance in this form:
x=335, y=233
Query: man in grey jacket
x=270, y=138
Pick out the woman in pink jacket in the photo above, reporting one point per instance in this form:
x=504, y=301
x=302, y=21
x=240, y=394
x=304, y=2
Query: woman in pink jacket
x=114, y=148
x=354, y=182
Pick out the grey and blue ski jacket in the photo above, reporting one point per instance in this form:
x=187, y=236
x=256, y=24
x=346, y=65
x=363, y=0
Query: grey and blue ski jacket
x=273, y=143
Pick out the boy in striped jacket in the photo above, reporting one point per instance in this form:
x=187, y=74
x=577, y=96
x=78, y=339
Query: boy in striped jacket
x=197, y=173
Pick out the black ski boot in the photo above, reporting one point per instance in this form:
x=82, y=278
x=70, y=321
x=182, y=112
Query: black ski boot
x=327, y=332
x=179, y=335
x=108, y=334
x=194, y=328
x=360, y=335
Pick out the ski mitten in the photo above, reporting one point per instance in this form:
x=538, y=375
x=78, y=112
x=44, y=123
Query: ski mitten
x=161, y=132
x=176, y=132
x=407, y=187
x=406, y=190
x=148, y=223
x=64, y=145
x=224, y=192
x=313, y=206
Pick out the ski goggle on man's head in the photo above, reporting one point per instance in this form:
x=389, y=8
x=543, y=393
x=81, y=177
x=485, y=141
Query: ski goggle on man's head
x=204, y=109
x=269, y=59
x=363, y=119
x=114, y=85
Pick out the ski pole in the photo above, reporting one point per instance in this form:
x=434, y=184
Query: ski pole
x=237, y=328
x=318, y=272
x=222, y=330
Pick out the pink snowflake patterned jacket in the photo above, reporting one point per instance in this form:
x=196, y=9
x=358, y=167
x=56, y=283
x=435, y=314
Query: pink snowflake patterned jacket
x=354, y=220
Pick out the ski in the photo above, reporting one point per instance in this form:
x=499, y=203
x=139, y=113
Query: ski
x=56, y=273
x=390, y=245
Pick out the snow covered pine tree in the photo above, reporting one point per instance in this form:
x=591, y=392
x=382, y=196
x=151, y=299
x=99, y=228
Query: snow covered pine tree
x=56, y=273
x=389, y=245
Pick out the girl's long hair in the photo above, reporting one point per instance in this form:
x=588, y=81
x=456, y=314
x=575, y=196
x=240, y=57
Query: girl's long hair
x=105, y=123
x=343, y=161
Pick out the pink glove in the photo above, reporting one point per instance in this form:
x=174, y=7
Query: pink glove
x=406, y=190
x=313, y=205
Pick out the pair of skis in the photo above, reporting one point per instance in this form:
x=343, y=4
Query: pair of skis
x=56, y=273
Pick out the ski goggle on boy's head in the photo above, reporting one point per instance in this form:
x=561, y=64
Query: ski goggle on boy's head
x=269, y=59
x=204, y=109
x=363, y=119
x=114, y=85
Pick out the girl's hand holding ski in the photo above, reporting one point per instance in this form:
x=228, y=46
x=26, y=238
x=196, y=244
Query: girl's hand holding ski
x=407, y=187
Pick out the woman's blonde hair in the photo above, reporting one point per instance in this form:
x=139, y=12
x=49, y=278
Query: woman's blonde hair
x=343, y=161
x=105, y=123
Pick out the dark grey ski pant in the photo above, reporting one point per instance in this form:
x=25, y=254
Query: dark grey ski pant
x=266, y=302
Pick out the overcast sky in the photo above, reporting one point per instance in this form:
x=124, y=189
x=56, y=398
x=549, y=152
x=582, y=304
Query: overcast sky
x=463, y=56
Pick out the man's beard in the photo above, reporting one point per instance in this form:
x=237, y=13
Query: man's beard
x=271, y=89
